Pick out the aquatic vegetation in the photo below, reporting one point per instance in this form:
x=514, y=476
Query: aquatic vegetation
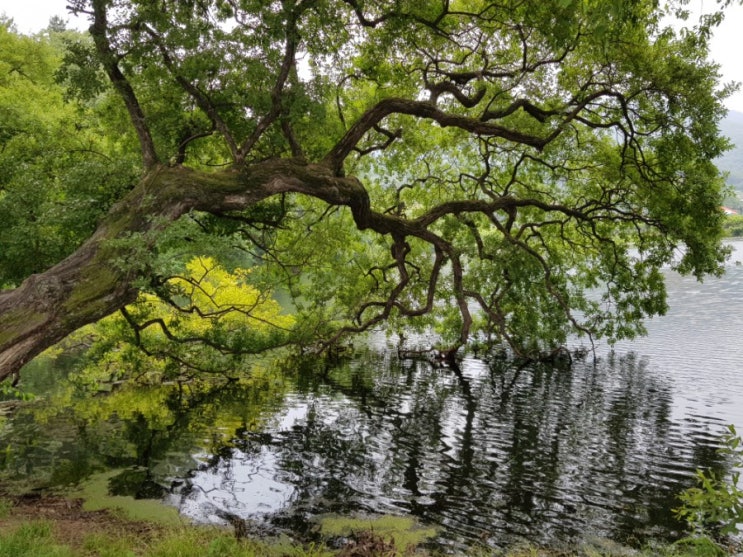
x=95, y=493
x=381, y=535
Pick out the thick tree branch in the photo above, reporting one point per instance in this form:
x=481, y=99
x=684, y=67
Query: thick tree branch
x=86, y=286
x=420, y=109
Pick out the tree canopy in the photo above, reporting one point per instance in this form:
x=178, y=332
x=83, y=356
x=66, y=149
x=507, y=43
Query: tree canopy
x=511, y=172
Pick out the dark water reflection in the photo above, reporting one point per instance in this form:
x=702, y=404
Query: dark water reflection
x=490, y=451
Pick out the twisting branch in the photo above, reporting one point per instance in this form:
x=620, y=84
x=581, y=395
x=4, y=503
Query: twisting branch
x=137, y=329
x=447, y=87
x=180, y=157
x=290, y=53
x=362, y=18
x=400, y=249
x=334, y=159
x=245, y=310
x=532, y=110
x=294, y=145
x=202, y=99
x=433, y=25
x=548, y=282
x=338, y=104
x=391, y=136
x=99, y=31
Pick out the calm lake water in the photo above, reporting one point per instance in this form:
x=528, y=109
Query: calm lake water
x=491, y=453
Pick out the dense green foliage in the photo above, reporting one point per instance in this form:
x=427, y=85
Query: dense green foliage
x=62, y=163
x=512, y=173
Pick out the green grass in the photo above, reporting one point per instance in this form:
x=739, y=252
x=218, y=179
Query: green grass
x=5, y=507
x=38, y=539
x=32, y=540
x=402, y=532
x=106, y=545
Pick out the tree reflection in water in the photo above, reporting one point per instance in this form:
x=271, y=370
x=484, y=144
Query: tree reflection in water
x=490, y=452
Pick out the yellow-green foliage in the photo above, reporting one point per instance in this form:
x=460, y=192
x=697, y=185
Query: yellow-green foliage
x=223, y=297
x=207, y=319
x=150, y=403
x=211, y=298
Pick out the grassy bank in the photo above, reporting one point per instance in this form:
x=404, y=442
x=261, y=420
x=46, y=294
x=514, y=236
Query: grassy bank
x=57, y=527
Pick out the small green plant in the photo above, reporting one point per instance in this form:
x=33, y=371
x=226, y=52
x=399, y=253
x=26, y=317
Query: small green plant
x=9, y=392
x=715, y=505
x=34, y=539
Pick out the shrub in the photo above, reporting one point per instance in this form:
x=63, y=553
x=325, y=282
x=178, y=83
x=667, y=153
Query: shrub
x=715, y=505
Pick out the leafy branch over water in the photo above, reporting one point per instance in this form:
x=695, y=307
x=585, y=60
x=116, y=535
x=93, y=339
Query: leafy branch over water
x=715, y=505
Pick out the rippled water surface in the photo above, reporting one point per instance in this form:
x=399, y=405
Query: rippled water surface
x=489, y=451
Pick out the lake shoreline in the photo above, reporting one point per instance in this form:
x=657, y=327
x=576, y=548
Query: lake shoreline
x=60, y=526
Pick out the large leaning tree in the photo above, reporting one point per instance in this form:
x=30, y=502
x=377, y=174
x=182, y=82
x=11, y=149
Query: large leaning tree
x=514, y=171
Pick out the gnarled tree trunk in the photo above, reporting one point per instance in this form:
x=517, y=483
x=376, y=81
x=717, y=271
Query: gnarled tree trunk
x=89, y=284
